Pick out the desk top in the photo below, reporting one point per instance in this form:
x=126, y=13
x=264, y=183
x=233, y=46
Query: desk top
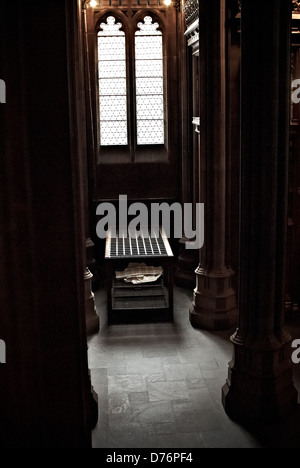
x=139, y=247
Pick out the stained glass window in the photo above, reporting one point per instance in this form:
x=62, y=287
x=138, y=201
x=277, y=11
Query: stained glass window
x=112, y=83
x=149, y=83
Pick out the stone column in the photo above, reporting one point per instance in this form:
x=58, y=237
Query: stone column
x=187, y=259
x=92, y=318
x=214, y=305
x=44, y=391
x=260, y=385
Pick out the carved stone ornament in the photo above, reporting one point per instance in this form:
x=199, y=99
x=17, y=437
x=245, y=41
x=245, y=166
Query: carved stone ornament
x=296, y=6
x=191, y=11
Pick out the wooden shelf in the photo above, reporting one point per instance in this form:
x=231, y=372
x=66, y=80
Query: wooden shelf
x=151, y=296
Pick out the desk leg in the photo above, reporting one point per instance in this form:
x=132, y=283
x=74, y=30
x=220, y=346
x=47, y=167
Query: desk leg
x=109, y=277
x=171, y=290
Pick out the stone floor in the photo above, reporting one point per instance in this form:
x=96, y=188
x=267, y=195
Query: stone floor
x=159, y=386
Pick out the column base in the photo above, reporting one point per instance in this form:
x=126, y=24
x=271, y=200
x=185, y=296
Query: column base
x=92, y=409
x=215, y=304
x=92, y=320
x=91, y=317
x=260, y=383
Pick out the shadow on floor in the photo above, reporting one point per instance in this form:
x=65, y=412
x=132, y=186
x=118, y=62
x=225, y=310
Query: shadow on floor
x=283, y=434
x=159, y=385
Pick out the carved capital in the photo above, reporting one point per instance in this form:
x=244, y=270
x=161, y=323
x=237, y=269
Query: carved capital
x=192, y=34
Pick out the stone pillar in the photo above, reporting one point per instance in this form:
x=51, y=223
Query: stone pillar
x=44, y=391
x=214, y=305
x=92, y=318
x=260, y=385
x=187, y=259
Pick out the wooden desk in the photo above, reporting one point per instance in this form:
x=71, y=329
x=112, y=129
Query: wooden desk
x=149, y=302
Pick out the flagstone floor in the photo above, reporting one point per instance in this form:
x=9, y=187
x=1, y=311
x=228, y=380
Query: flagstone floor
x=159, y=386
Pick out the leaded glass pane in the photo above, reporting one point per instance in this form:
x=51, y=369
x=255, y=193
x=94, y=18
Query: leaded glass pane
x=150, y=132
x=148, y=68
x=117, y=111
x=112, y=83
x=150, y=107
x=149, y=47
x=112, y=69
x=111, y=47
x=112, y=87
x=149, y=86
x=149, y=83
x=115, y=130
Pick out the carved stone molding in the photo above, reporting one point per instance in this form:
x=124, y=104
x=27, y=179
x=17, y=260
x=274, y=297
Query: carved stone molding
x=296, y=6
x=192, y=34
x=191, y=11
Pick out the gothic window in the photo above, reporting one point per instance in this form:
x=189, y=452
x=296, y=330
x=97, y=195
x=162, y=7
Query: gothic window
x=131, y=80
